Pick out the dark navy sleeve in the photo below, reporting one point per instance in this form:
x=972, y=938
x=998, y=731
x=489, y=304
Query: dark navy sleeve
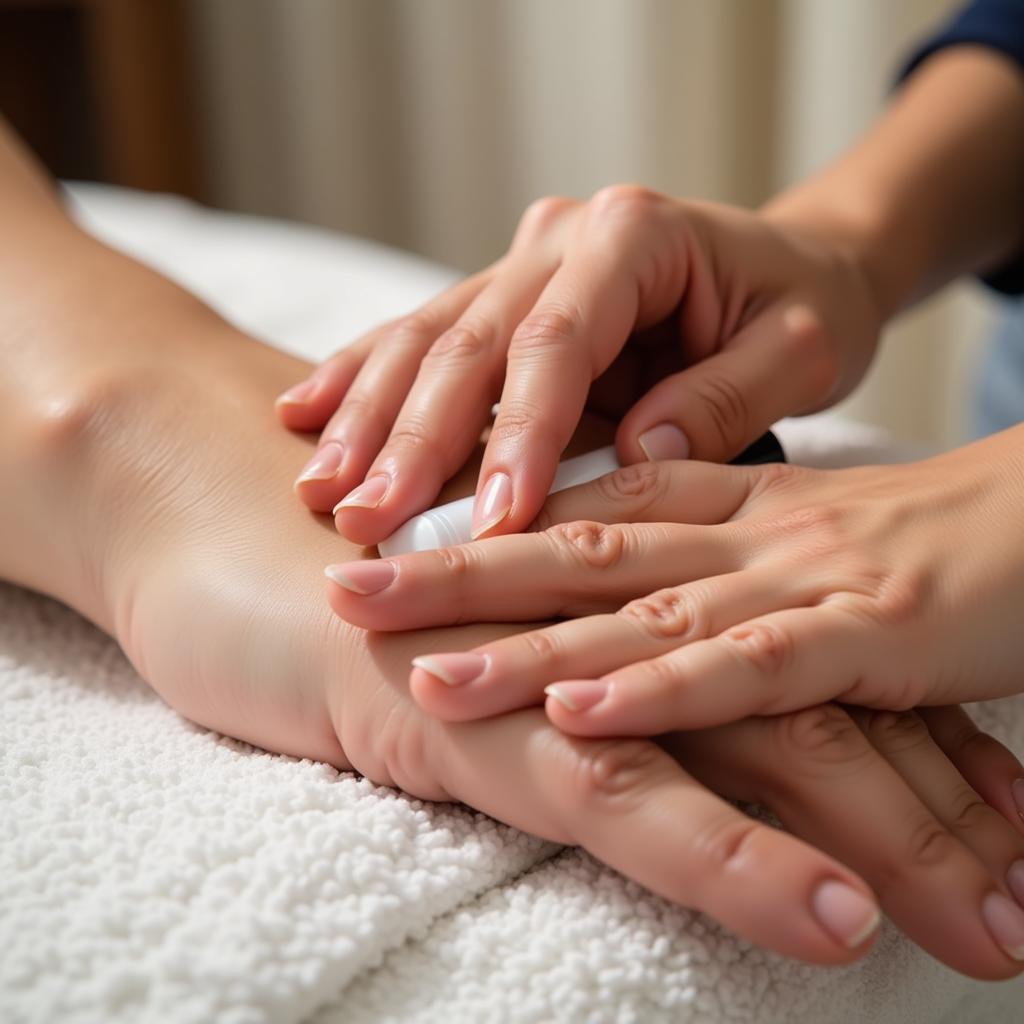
x=998, y=24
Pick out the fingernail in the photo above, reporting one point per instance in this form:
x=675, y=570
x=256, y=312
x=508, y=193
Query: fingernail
x=325, y=463
x=453, y=669
x=367, y=577
x=1005, y=920
x=493, y=505
x=297, y=395
x=1018, y=796
x=1015, y=880
x=665, y=441
x=578, y=696
x=368, y=494
x=845, y=913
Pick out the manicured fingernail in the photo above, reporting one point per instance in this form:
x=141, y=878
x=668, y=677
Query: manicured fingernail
x=453, y=669
x=1005, y=920
x=368, y=494
x=367, y=577
x=845, y=913
x=1018, y=796
x=1015, y=880
x=578, y=696
x=493, y=505
x=298, y=395
x=665, y=441
x=325, y=463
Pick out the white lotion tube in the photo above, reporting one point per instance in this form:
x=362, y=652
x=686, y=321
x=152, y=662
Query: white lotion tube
x=453, y=523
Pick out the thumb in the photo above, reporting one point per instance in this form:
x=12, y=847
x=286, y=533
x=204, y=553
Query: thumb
x=780, y=364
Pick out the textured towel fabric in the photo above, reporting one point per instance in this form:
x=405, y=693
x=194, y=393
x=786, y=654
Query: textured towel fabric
x=153, y=871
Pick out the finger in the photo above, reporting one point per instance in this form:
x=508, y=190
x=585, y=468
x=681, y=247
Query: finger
x=448, y=405
x=778, y=662
x=904, y=741
x=776, y=366
x=631, y=806
x=820, y=775
x=992, y=770
x=357, y=429
x=513, y=672
x=658, y=492
x=571, y=568
x=618, y=273
x=309, y=404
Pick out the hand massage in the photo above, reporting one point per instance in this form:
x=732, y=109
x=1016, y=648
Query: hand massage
x=725, y=677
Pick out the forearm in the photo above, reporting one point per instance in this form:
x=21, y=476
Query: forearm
x=934, y=189
x=86, y=338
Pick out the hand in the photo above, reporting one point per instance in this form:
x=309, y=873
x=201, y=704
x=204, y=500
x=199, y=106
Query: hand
x=722, y=320
x=239, y=639
x=735, y=591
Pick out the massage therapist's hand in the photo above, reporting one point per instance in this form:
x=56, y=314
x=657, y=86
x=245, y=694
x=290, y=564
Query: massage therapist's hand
x=730, y=591
x=696, y=325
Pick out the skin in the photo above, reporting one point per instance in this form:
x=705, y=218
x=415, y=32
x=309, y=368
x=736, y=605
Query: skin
x=719, y=592
x=694, y=325
x=151, y=494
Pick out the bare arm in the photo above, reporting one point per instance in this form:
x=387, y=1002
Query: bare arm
x=934, y=189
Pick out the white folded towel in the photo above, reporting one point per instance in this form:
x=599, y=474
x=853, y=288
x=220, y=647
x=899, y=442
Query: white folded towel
x=153, y=871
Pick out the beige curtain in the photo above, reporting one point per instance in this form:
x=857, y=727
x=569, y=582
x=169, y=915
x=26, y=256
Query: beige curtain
x=431, y=124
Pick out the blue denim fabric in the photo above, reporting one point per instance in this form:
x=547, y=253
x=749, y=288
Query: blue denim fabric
x=998, y=398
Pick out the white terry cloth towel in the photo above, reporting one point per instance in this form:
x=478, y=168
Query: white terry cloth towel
x=151, y=870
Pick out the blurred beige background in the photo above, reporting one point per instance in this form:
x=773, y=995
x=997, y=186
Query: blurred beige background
x=431, y=124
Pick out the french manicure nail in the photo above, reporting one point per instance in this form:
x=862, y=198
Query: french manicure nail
x=453, y=669
x=578, y=696
x=665, y=441
x=366, y=577
x=368, y=494
x=494, y=503
x=1005, y=920
x=297, y=395
x=325, y=463
x=847, y=914
x=1018, y=796
x=1015, y=880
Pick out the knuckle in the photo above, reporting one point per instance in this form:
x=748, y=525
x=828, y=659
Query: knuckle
x=542, y=330
x=822, y=735
x=457, y=562
x=901, y=597
x=722, y=844
x=641, y=485
x=413, y=330
x=969, y=814
x=615, y=771
x=774, y=477
x=587, y=544
x=767, y=647
x=670, y=613
x=896, y=732
x=809, y=346
x=360, y=410
x=818, y=529
x=542, y=214
x=412, y=436
x=403, y=753
x=542, y=645
x=625, y=201
x=725, y=406
x=514, y=422
x=469, y=339
x=929, y=844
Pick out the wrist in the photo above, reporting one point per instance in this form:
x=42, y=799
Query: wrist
x=857, y=231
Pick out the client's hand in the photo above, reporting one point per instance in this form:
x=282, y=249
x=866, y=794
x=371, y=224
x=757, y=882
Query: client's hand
x=714, y=321
x=236, y=634
x=734, y=591
x=190, y=552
